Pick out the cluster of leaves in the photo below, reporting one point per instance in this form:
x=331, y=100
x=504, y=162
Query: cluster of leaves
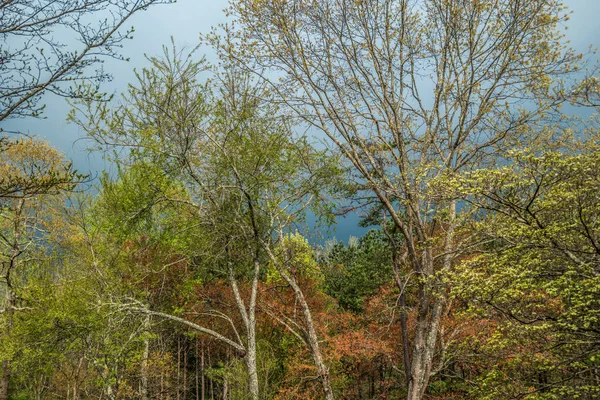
x=356, y=271
x=539, y=278
x=30, y=167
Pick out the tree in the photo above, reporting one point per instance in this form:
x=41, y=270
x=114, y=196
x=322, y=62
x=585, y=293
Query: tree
x=356, y=271
x=32, y=172
x=410, y=92
x=29, y=168
x=539, y=277
x=237, y=157
x=33, y=61
x=292, y=258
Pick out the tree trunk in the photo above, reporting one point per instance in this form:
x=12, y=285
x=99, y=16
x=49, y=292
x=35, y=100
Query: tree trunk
x=4, y=381
x=423, y=348
x=177, y=388
x=185, y=367
x=249, y=318
x=196, y=370
x=313, y=341
x=225, y=389
x=203, y=380
x=212, y=385
x=316, y=350
x=397, y=261
x=251, y=330
x=5, y=378
x=311, y=334
x=144, y=369
x=430, y=315
x=250, y=359
x=203, y=387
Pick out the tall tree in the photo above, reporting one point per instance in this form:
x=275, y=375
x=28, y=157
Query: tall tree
x=239, y=160
x=410, y=91
x=539, y=278
x=31, y=172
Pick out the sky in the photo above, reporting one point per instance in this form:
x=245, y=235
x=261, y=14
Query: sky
x=185, y=20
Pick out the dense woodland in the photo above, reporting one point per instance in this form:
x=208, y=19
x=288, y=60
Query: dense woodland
x=464, y=133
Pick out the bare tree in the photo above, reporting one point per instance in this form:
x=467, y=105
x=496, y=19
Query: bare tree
x=410, y=92
x=52, y=45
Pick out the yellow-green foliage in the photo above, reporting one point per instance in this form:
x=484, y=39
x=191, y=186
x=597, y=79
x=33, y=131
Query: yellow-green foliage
x=539, y=276
x=295, y=255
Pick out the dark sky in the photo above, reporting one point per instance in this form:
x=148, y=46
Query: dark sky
x=185, y=20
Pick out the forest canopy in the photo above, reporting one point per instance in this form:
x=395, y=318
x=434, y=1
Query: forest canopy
x=464, y=134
